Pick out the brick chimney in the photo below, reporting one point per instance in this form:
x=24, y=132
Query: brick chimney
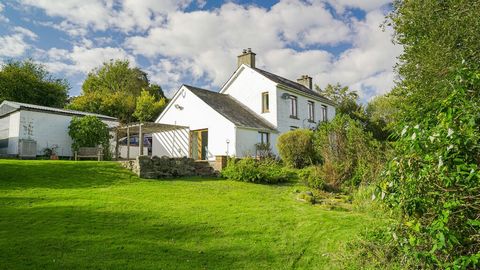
x=306, y=81
x=247, y=57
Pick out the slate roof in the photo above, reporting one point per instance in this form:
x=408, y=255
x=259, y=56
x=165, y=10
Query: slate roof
x=11, y=106
x=292, y=84
x=231, y=109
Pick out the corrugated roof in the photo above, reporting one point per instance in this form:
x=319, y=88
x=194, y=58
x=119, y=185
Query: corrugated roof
x=292, y=84
x=231, y=109
x=20, y=105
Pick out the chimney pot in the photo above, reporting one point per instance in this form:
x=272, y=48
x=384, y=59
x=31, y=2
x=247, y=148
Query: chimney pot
x=247, y=57
x=306, y=81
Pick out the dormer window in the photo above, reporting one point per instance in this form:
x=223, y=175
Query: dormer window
x=265, y=103
x=293, y=107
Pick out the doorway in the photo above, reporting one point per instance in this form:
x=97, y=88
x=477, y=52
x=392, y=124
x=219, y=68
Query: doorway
x=199, y=144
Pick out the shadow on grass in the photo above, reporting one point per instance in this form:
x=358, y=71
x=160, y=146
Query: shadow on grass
x=61, y=174
x=72, y=237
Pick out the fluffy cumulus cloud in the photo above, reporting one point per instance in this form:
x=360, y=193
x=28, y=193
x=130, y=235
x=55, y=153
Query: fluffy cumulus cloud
x=82, y=59
x=368, y=64
x=176, y=43
x=17, y=43
x=126, y=15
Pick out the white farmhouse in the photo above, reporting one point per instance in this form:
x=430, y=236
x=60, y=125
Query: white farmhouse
x=254, y=106
x=26, y=129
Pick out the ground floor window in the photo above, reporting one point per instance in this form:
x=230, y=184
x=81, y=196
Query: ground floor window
x=264, y=137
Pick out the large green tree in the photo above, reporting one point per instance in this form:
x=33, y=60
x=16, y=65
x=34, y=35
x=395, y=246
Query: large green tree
x=374, y=117
x=346, y=99
x=437, y=37
x=148, y=108
x=30, y=82
x=113, y=89
x=433, y=181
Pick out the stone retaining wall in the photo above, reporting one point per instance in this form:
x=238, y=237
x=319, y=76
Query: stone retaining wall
x=166, y=167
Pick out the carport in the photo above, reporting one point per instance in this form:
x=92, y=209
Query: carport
x=140, y=129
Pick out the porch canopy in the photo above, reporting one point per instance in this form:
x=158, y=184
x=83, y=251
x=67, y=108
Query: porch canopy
x=140, y=129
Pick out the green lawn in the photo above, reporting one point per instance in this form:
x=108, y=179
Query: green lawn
x=77, y=215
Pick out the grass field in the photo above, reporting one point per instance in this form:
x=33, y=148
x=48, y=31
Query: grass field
x=89, y=215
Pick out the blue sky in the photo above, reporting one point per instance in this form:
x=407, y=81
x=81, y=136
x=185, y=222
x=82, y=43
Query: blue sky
x=197, y=41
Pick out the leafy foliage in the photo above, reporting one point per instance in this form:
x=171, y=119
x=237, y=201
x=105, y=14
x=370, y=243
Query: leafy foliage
x=346, y=99
x=148, y=108
x=113, y=89
x=376, y=117
x=437, y=36
x=296, y=148
x=89, y=131
x=435, y=181
x=381, y=113
x=29, y=82
x=312, y=176
x=350, y=155
x=267, y=171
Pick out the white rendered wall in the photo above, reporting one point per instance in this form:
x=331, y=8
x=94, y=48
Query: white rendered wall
x=248, y=87
x=9, y=130
x=9, y=133
x=285, y=122
x=248, y=138
x=134, y=151
x=47, y=130
x=194, y=114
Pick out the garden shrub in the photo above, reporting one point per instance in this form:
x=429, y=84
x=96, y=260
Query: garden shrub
x=89, y=131
x=434, y=181
x=296, y=148
x=350, y=156
x=311, y=176
x=267, y=171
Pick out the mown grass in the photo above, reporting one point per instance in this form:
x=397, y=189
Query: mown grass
x=90, y=215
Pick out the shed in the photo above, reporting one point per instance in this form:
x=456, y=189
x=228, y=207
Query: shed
x=27, y=129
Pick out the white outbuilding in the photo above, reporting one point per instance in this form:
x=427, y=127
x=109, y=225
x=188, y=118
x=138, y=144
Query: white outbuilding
x=27, y=129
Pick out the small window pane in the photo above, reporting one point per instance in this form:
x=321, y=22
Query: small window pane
x=264, y=137
x=265, y=102
x=324, y=113
x=311, y=111
x=293, y=106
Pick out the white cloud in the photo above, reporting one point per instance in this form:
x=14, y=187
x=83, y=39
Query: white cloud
x=2, y=17
x=25, y=32
x=369, y=63
x=291, y=38
x=367, y=5
x=126, y=15
x=82, y=59
x=12, y=45
x=209, y=40
x=15, y=45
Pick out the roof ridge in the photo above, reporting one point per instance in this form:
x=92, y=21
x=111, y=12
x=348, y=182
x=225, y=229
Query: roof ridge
x=53, y=109
x=299, y=84
x=292, y=84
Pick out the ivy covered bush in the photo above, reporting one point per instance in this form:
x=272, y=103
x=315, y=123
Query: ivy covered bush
x=296, y=148
x=435, y=180
x=89, y=131
x=266, y=171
